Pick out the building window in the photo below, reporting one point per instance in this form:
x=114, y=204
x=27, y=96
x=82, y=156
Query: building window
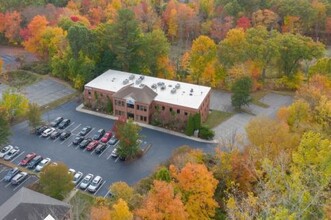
x=141, y=117
x=170, y=109
x=129, y=105
x=138, y=106
x=178, y=111
x=185, y=113
x=163, y=108
x=89, y=92
x=145, y=118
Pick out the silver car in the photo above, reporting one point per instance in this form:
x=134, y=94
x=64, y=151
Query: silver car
x=77, y=177
x=96, y=183
x=86, y=181
x=48, y=132
x=42, y=164
x=19, y=178
x=5, y=150
x=12, y=153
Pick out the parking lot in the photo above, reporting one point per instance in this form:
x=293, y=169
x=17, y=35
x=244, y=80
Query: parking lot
x=6, y=188
x=110, y=169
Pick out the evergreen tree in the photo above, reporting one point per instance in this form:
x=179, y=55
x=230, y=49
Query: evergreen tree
x=241, y=92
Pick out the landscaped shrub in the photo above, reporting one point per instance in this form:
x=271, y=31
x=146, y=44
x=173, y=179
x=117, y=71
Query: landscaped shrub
x=190, y=126
x=206, y=133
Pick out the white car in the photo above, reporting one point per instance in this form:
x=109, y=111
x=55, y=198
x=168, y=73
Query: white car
x=42, y=164
x=5, y=150
x=48, y=132
x=77, y=177
x=114, y=153
x=86, y=181
x=71, y=171
x=12, y=153
x=96, y=183
x=18, y=178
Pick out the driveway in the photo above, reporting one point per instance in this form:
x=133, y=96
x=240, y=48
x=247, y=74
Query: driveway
x=235, y=126
x=112, y=170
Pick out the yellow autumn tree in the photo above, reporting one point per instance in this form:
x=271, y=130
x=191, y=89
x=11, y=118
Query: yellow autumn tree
x=121, y=211
x=197, y=186
x=100, y=213
x=162, y=203
x=203, y=62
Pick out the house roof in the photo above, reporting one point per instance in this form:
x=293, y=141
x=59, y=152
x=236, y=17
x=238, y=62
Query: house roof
x=138, y=94
x=28, y=204
x=168, y=91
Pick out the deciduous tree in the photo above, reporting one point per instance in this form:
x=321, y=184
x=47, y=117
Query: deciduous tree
x=162, y=203
x=14, y=105
x=100, y=213
x=34, y=115
x=120, y=211
x=241, y=92
x=4, y=128
x=55, y=181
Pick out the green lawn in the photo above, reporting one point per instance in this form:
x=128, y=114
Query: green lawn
x=19, y=78
x=216, y=117
x=256, y=96
x=81, y=204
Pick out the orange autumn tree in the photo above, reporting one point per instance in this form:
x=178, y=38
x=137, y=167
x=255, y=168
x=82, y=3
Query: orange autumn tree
x=197, y=186
x=100, y=213
x=162, y=203
x=10, y=25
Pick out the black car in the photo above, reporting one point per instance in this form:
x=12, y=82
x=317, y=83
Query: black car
x=55, y=134
x=64, y=135
x=39, y=130
x=85, y=131
x=56, y=122
x=11, y=173
x=84, y=143
x=99, y=134
x=100, y=148
x=34, y=162
x=64, y=123
x=113, y=140
x=78, y=140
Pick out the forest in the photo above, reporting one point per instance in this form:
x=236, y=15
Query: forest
x=284, y=171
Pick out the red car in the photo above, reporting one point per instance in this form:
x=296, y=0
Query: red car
x=91, y=146
x=27, y=159
x=106, y=137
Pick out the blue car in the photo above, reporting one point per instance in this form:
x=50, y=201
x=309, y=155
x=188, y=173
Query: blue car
x=11, y=173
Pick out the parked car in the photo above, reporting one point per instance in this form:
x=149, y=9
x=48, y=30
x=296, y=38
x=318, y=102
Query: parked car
x=42, y=164
x=56, y=122
x=85, y=131
x=84, y=143
x=106, y=137
x=77, y=140
x=55, y=134
x=99, y=134
x=96, y=183
x=48, y=132
x=71, y=171
x=11, y=173
x=34, y=162
x=27, y=159
x=65, y=123
x=113, y=140
x=91, y=146
x=100, y=148
x=77, y=177
x=86, y=181
x=12, y=153
x=39, y=130
x=18, y=178
x=114, y=153
x=64, y=135
x=4, y=151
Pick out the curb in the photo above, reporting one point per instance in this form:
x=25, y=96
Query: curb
x=81, y=109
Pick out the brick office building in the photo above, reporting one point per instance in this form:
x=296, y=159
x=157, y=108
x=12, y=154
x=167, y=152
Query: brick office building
x=146, y=98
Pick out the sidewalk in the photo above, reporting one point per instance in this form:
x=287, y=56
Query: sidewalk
x=80, y=108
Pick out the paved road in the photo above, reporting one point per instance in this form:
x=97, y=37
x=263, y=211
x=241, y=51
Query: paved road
x=236, y=124
x=111, y=170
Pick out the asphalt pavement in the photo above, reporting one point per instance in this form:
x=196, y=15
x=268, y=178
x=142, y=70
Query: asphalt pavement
x=110, y=169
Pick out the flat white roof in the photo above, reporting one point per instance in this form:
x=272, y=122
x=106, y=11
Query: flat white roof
x=168, y=91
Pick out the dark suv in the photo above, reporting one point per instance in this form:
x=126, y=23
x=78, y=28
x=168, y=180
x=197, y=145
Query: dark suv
x=64, y=123
x=99, y=134
x=34, y=162
x=56, y=122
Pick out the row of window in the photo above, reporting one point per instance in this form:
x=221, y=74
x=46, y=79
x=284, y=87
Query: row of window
x=170, y=109
x=119, y=103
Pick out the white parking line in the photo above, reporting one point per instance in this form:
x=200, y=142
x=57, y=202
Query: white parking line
x=2, y=179
x=93, y=151
x=117, y=159
x=65, y=139
x=104, y=150
x=4, y=168
x=109, y=156
x=56, y=139
x=107, y=194
x=100, y=187
x=89, y=131
x=76, y=127
x=69, y=144
x=21, y=183
x=17, y=156
x=7, y=184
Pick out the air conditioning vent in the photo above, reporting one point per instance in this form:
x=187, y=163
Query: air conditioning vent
x=154, y=86
x=173, y=91
x=126, y=81
x=138, y=81
x=161, y=84
x=131, y=77
x=163, y=87
x=177, y=86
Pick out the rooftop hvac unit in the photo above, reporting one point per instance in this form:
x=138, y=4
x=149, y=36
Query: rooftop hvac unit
x=154, y=86
x=177, y=86
x=131, y=77
x=126, y=81
x=173, y=91
x=161, y=84
x=163, y=87
x=138, y=81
